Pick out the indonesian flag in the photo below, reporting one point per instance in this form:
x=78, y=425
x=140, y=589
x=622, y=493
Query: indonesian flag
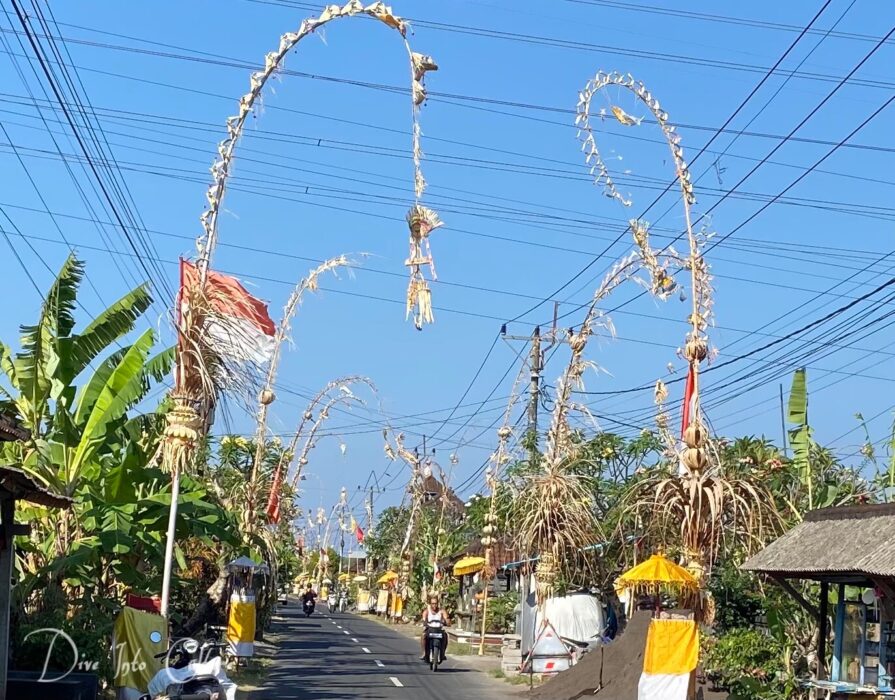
x=672, y=652
x=357, y=531
x=240, y=327
x=273, y=502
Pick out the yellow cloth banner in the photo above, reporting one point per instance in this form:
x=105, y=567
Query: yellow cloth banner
x=134, y=648
x=397, y=607
x=672, y=647
x=241, y=624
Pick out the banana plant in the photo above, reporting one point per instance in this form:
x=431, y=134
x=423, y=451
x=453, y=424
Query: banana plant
x=800, y=436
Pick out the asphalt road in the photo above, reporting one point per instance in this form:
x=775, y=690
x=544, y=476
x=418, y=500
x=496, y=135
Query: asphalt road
x=340, y=656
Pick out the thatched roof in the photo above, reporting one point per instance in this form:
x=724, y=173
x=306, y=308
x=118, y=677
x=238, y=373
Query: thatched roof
x=433, y=491
x=851, y=544
x=10, y=429
x=24, y=488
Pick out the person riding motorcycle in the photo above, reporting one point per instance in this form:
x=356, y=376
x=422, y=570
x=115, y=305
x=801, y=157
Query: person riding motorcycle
x=309, y=597
x=434, y=613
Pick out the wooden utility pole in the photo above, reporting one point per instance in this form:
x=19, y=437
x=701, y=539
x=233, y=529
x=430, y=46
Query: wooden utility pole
x=536, y=364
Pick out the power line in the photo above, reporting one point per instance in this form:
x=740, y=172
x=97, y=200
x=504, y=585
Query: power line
x=56, y=91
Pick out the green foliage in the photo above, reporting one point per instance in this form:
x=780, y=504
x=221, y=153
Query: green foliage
x=800, y=436
x=749, y=663
x=501, y=615
x=77, y=393
x=741, y=602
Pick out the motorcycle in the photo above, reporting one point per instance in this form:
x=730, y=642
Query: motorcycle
x=309, y=606
x=343, y=600
x=192, y=671
x=434, y=641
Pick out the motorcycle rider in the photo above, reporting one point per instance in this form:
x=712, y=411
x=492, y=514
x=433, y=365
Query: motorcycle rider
x=309, y=596
x=434, y=613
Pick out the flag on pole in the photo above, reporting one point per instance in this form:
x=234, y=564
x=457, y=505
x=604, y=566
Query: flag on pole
x=672, y=652
x=273, y=502
x=688, y=399
x=238, y=325
x=358, y=533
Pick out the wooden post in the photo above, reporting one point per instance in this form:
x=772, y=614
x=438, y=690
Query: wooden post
x=822, y=641
x=7, y=560
x=838, y=633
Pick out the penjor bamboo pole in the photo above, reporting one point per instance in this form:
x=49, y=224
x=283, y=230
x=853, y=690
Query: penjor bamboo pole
x=175, y=472
x=169, y=544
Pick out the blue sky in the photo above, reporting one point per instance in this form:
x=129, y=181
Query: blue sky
x=325, y=170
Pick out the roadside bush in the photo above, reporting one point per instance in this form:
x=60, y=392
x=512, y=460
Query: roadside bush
x=748, y=663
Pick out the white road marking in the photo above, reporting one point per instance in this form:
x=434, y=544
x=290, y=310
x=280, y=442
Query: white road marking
x=380, y=664
x=366, y=651
x=345, y=632
x=396, y=682
x=354, y=639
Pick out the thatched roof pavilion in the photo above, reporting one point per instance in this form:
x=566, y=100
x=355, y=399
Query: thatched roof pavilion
x=853, y=545
x=853, y=548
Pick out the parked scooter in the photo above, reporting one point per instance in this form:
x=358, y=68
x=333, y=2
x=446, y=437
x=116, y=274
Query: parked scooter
x=192, y=671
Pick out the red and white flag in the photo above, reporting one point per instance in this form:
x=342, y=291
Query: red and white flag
x=273, y=503
x=358, y=532
x=687, y=411
x=240, y=327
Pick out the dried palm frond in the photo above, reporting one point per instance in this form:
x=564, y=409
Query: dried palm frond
x=701, y=512
x=421, y=221
x=556, y=513
x=588, y=143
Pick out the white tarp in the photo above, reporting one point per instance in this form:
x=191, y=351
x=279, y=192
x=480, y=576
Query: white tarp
x=578, y=617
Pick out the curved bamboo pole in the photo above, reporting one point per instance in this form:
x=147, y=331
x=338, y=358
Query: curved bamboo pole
x=267, y=395
x=499, y=459
x=422, y=221
x=696, y=347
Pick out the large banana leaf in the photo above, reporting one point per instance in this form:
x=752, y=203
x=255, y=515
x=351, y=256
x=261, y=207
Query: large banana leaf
x=76, y=352
x=123, y=386
x=800, y=436
x=38, y=359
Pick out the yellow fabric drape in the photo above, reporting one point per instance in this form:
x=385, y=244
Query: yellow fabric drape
x=672, y=647
x=241, y=625
x=134, y=648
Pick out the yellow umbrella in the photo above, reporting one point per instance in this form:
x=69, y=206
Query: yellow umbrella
x=344, y=577
x=656, y=573
x=388, y=577
x=469, y=565
x=359, y=579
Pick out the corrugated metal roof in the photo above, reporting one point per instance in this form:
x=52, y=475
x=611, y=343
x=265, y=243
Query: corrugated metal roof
x=24, y=488
x=848, y=540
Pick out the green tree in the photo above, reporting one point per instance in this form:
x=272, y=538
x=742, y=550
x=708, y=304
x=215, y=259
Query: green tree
x=78, y=393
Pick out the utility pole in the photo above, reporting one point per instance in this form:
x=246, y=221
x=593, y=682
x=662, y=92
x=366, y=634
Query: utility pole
x=536, y=364
x=534, y=391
